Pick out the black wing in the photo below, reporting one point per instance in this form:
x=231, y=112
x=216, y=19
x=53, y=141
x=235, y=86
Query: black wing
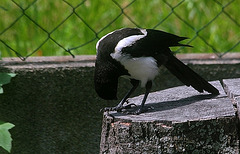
x=156, y=44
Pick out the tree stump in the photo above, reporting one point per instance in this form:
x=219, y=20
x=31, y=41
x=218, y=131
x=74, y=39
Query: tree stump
x=181, y=121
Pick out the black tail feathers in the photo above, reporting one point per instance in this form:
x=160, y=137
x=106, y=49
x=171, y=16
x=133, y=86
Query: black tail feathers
x=187, y=76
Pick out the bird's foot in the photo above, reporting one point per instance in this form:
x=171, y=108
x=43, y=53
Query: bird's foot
x=118, y=108
x=139, y=110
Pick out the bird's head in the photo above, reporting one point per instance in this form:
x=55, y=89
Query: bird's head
x=106, y=89
x=106, y=79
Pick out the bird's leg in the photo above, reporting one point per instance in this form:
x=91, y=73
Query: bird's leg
x=120, y=106
x=148, y=89
x=135, y=84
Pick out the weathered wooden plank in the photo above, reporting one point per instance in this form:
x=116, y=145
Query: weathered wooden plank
x=232, y=88
x=182, y=121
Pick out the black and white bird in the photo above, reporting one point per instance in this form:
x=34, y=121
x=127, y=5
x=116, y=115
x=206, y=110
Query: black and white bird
x=137, y=54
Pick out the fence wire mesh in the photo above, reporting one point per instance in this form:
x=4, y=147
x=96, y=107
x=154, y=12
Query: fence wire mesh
x=42, y=27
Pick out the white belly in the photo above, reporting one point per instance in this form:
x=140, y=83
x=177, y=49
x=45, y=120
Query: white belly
x=142, y=68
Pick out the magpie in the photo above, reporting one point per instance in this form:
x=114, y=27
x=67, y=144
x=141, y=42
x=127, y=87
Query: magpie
x=137, y=54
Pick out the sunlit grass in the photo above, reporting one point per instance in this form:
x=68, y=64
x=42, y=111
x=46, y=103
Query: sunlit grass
x=96, y=18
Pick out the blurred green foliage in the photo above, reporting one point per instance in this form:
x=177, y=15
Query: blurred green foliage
x=212, y=26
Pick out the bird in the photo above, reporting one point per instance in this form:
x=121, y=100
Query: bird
x=137, y=54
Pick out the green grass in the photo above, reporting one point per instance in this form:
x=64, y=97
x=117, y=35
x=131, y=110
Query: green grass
x=24, y=36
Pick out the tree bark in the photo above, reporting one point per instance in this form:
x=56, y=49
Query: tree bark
x=182, y=120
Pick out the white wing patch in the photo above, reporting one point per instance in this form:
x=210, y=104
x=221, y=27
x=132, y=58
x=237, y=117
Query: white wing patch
x=128, y=41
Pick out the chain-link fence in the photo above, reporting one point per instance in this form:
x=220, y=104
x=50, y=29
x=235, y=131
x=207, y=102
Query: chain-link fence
x=43, y=28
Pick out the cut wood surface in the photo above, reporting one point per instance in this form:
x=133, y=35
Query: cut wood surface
x=179, y=120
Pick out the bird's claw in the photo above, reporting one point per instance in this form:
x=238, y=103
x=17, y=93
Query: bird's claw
x=140, y=110
x=125, y=109
x=129, y=106
x=118, y=108
x=127, y=101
